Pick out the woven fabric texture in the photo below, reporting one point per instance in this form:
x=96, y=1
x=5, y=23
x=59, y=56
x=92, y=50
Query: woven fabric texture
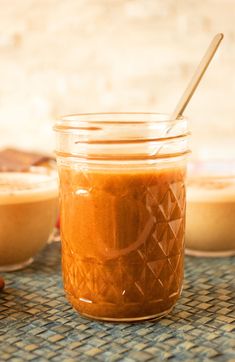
x=38, y=324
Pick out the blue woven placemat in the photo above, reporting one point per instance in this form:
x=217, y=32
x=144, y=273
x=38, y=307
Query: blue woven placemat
x=38, y=324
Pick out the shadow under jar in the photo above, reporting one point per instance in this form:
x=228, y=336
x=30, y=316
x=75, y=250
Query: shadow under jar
x=122, y=197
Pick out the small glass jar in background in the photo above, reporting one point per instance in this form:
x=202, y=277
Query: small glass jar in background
x=210, y=215
x=122, y=190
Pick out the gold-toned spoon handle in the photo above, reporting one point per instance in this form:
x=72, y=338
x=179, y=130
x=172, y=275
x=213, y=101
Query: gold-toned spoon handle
x=197, y=76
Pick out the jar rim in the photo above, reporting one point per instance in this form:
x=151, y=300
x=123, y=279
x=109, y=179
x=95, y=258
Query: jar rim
x=121, y=136
x=77, y=120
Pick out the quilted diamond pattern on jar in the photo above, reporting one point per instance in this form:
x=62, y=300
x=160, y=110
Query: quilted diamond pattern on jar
x=123, y=240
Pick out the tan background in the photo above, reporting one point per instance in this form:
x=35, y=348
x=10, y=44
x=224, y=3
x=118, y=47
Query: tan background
x=64, y=56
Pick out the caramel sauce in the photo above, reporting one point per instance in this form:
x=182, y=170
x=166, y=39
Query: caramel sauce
x=122, y=240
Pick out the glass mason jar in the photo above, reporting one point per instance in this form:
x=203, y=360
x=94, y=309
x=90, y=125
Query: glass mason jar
x=122, y=192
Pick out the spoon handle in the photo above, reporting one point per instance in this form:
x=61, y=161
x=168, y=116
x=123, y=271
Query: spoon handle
x=197, y=76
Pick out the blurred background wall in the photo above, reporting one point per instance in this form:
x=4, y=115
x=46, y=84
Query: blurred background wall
x=66, y=56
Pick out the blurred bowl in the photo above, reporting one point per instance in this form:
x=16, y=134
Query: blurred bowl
x=210, y=212
x=28, y=213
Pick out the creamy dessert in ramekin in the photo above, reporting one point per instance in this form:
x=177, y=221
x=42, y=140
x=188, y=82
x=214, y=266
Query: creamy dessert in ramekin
x=210, y=215
x=28, y=212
